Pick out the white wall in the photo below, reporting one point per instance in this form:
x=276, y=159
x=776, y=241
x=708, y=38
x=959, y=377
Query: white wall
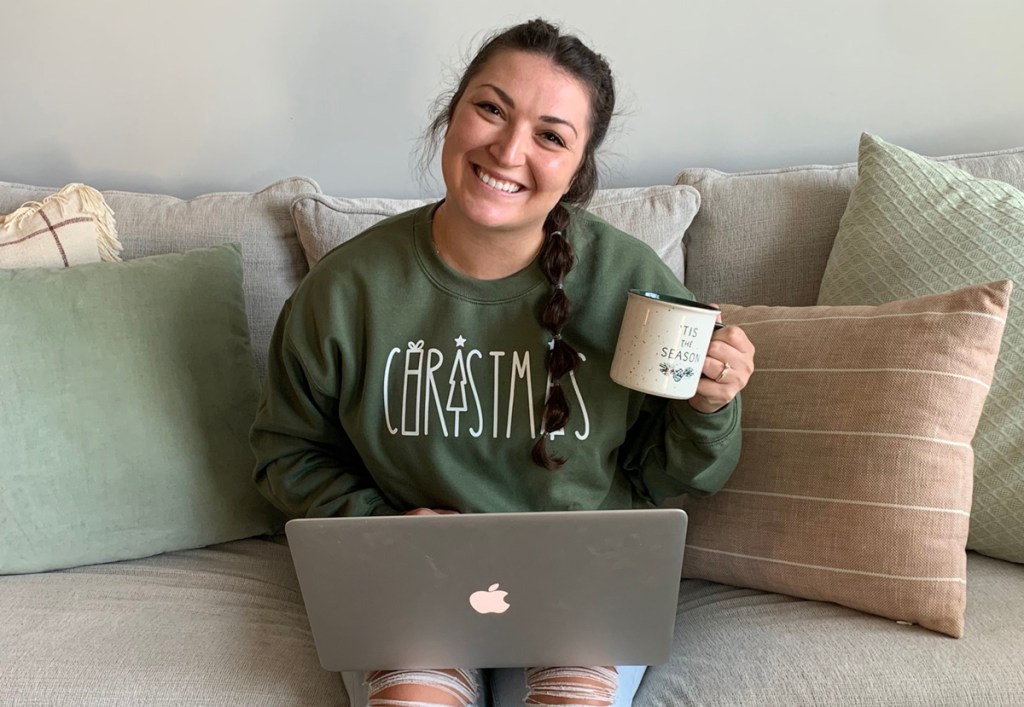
x=199, y=95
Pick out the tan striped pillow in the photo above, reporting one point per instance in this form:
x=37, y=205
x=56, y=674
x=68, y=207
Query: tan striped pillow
x=72, y=227
x=854, y=485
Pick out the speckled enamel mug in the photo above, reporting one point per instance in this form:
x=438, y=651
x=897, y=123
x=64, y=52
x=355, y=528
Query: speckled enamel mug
x=662, y=344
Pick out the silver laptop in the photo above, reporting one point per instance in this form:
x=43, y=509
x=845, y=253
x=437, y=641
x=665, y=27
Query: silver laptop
x=491, y=590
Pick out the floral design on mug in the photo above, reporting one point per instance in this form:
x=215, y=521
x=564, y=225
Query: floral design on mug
x=677, y=372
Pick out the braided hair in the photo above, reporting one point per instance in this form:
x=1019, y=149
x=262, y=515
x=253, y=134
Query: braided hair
x=591, y=70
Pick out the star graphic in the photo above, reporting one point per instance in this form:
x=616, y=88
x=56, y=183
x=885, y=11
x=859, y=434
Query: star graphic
x=461, y=341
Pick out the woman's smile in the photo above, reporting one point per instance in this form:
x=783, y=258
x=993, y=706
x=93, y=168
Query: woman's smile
x=496, y=182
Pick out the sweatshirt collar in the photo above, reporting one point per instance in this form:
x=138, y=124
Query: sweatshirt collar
x=459, y=285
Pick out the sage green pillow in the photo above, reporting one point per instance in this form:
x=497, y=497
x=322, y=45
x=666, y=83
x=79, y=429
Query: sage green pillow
x=913, y=227
x=126, y=394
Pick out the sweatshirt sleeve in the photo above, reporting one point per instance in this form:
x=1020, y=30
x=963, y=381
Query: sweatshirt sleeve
x=673, y=449
x=306, y=465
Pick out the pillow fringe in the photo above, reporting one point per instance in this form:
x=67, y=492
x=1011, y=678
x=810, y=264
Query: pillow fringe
x=92, y=203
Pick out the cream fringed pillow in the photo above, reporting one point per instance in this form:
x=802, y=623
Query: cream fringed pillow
x=854, y=484
x=72, y=227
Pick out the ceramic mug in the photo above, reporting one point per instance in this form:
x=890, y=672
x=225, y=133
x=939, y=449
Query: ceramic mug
x=662, y=344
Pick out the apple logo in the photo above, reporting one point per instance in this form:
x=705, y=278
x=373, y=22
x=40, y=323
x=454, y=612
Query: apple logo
x=491, y=601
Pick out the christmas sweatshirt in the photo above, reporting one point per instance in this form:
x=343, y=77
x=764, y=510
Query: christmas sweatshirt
x=395, y=382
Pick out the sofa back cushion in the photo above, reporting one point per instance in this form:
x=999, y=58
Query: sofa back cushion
x=657, y=215
x=155, y=224
x=764, y=237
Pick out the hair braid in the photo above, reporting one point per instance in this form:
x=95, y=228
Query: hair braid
x=568, y=53
x=556, y=260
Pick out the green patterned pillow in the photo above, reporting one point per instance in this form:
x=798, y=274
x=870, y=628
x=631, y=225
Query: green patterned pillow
x=915, y=227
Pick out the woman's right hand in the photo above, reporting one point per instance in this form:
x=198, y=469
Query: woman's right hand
x=430, y=512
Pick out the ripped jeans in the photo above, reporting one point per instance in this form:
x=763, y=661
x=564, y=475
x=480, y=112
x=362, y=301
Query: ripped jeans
x=507, y=687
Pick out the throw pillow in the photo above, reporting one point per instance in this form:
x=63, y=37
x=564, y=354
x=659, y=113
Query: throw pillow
x=657, y=215
x=914, y=226
x=71, y=227
x=764, y=236
x=854, y=483
x=154, y=224
x=126, y=394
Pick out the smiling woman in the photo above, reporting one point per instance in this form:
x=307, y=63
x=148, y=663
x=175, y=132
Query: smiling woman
x=521, y=133
x=420, y=367
x=510, y=153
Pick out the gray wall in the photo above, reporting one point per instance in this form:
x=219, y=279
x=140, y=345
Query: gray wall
x=200, y=95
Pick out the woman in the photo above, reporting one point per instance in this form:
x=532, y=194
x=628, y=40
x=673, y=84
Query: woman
x=434, y=363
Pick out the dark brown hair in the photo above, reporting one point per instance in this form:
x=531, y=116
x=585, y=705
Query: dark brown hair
x=569, y=54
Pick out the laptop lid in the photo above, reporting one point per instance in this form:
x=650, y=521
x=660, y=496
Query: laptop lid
x=491, y=590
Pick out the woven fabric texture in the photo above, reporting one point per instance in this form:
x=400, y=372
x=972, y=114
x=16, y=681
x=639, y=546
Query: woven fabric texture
x=658, y=215
x=915, y=226
x=764, y=237
x=854, y=484
x=155, y=224
x=71, y=227
x=223, y=625
x=744, y=648
x=126, y=395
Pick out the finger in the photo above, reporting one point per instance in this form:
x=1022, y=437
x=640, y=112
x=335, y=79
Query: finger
x=717, y=370
x=720, y=351
x=736, y=338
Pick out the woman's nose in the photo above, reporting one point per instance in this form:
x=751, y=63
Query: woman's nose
x=507, y=147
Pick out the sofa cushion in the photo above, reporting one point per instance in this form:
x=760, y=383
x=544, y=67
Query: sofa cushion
x=152, y=224
x=854, y=482
x=224, y=625
x=657, y=215
x=126, y=394
x=913, y=227
x=764, y=237
x=73, y=226
x=738, y=647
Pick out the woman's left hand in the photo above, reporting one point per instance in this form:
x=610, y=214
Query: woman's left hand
x=727, y=368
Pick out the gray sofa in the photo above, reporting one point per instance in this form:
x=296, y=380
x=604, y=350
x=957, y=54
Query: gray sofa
x=225, y=624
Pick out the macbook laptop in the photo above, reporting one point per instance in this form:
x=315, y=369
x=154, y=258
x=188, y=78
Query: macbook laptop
x=491, y=590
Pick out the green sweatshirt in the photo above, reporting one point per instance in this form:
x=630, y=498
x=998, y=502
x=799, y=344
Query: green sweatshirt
x=395, y=382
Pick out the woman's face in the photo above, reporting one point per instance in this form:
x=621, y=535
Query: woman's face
x=514, y=143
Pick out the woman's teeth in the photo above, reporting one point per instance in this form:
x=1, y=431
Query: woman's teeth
x=510, y=187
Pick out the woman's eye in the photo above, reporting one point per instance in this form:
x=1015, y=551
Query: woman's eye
x=489, y=108
x=554, y=139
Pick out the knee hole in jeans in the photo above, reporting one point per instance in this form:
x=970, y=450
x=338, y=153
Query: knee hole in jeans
x=577, y=686
x=419, y=688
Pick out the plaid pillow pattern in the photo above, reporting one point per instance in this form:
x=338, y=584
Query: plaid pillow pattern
x=72, y=227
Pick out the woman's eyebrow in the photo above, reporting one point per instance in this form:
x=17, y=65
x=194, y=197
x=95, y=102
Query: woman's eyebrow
x=545, y=118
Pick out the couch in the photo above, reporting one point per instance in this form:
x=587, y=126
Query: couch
x=224, y=623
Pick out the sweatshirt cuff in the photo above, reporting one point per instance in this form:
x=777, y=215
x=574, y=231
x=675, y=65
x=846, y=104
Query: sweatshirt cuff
x=382, y=508
x=705, y=428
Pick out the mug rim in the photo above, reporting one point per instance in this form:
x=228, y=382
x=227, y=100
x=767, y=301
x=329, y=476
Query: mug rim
x=672, y=299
